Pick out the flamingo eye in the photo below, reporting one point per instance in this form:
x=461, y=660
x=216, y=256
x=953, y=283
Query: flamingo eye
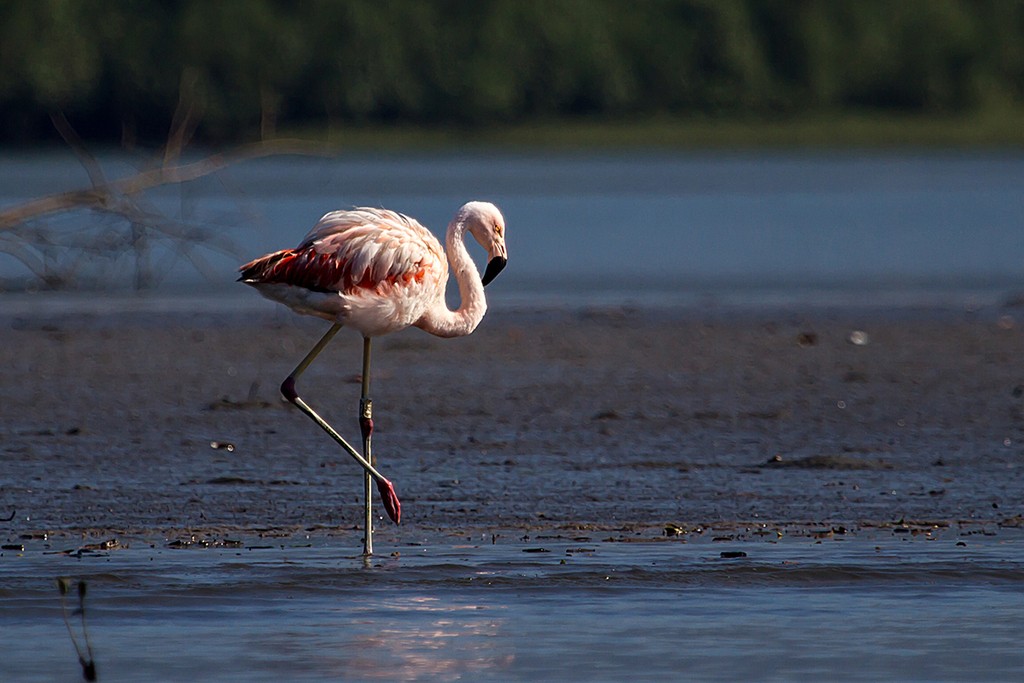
x=497, y=230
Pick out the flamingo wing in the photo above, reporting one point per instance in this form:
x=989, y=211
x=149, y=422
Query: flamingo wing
x=354, y=252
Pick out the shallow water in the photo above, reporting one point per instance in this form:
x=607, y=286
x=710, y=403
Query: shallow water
x=666, y=326
x=629, y=225
x=912, y=609
x=536, y=496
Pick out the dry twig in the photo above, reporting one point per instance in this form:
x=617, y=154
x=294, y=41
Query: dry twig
x=55, y=257
x=104, y=197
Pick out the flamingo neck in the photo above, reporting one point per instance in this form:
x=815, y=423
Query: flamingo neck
x=441, y=321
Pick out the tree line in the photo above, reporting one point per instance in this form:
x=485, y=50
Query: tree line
x=126, y=70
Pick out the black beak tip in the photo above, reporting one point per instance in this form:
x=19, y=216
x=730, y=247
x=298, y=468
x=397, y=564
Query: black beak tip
x=494, y=266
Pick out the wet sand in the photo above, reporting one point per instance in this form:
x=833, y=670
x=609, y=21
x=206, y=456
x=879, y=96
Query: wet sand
x=611, y=422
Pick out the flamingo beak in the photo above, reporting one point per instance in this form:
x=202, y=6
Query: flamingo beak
x=494, y=266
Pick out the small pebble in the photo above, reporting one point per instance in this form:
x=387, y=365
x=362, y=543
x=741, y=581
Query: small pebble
x=858, y=338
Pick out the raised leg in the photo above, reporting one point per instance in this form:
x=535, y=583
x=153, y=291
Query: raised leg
x=386, y=489
x=366, y=427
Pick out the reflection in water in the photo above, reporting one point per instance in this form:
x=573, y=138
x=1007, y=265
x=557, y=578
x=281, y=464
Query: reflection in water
x=669, y=610
x=423, y=637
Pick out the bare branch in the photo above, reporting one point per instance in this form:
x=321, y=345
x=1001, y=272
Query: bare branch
x=186, y=117
x=152, y=240
x=106, y=196
x=26, y=257
x=92, y=167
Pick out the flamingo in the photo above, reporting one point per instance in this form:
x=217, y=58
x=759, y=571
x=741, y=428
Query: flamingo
x=378, y=271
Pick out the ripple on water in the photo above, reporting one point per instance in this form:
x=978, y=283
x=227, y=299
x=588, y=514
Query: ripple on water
x=795, y=609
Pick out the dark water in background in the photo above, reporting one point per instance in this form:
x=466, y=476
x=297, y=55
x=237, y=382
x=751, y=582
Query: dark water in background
x=644, y=229
x=639, y=227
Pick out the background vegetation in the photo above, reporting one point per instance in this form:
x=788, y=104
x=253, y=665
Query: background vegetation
x=122, y=71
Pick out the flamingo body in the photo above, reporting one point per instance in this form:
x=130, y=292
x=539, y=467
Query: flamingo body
x=373, y=270
x=378, y=271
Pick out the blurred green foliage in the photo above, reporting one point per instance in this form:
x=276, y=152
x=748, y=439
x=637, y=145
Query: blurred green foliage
x=120, y=69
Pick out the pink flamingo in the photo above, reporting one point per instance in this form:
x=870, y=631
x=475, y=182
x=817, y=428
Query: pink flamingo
x=378, y=271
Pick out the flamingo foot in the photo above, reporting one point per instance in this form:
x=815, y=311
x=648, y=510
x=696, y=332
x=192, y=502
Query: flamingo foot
x=390, y=500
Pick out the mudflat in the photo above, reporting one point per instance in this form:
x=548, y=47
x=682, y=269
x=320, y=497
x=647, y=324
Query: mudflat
x=631, y=421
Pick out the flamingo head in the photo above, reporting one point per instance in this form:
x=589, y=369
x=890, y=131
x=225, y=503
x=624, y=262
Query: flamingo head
x=487, y=226
x=390, y=499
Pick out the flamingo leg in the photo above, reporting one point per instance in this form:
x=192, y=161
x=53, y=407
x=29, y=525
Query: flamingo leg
x=366, y=427
x=387, y=491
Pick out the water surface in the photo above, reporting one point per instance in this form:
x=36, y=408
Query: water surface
x=666, y=326
x=632, y=225
x=797, y=609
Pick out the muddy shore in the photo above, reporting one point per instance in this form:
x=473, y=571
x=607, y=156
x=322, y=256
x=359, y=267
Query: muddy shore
x=617, y=420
